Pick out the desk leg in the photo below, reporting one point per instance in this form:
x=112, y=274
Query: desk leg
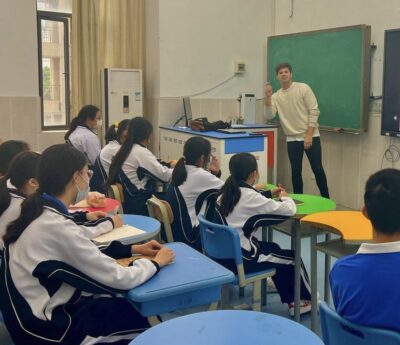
x=153, y=320
x=327, y=295
x=225, y=297
x=296, y=234
x=264, y=237
x=314, y=284
x=213, y=306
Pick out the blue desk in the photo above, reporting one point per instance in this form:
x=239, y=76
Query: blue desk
x=192, y=280
x=228, y=327
x=150, y=225
x=225, y=145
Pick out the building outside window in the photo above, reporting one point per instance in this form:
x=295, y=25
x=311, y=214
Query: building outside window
x=54, y=23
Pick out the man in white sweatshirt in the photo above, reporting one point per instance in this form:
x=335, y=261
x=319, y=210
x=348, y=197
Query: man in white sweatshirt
x=298, y=113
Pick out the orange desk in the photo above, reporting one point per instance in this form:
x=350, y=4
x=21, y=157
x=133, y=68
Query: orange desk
x=353, y=228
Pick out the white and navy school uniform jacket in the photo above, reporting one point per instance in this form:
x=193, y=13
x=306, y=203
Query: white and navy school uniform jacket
x=253, y=202
x=86, y=141
x=138, y=175
x=198, y=180
x=11, y=213
x=53, y=272
x=107, y=154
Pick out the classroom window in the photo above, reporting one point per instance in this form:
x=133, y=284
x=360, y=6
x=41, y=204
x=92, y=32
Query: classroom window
x=54, y=21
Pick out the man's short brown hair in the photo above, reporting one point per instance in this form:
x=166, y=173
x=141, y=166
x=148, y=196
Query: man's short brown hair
x=283, y=65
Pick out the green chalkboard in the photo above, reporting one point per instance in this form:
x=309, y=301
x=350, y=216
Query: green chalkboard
x=336, y=65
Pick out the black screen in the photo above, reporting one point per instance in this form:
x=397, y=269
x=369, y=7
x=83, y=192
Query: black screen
x=390, y=123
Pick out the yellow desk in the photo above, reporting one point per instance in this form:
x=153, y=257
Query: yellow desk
x=354, y=229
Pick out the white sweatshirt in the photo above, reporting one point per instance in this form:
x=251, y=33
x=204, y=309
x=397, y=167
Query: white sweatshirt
x=297, y=107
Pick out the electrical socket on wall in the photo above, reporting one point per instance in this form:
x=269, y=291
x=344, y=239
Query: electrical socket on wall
x=239, y=67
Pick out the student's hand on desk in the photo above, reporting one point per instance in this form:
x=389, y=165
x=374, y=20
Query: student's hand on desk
x=283, y=193
x=96, y=199
x=308, y=142
x=277, y=191
x=91, y=216
x=164, y=256
x=150, y=248
x=118, y=221
x=215, y=165
x=172, y=163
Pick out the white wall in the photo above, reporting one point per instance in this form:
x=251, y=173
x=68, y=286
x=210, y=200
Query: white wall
x=348, y=159
x=200, y=40
x=18, y=53
x=19, y=85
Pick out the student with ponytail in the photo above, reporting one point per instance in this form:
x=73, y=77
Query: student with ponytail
x=239, y=201
x=61, y=288
x=193, y=174
x=8, y=150
x=82, y=132
x=136, y=168
x=115, y=137
x=19, y=182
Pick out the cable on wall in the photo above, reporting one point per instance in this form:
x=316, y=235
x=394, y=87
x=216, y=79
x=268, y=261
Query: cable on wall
x=212, y=88
x=391, y=154
x=291, y=8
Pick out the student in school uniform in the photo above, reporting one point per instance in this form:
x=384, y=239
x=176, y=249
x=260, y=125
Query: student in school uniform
x=115, y=137
x=136, y=167
x=21, y=181
x=238, y=201
x=60, y=287
x=8, y=150
x=365, y=286
x=196, y=172
x=82, y=132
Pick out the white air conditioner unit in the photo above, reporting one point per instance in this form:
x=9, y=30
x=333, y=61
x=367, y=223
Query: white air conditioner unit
x=122, y=95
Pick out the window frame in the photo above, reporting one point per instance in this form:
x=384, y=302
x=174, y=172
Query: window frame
x=64, y=18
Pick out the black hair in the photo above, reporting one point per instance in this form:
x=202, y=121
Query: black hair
x=57, y=166
x=22, y=168
x=194, y=148
x=114, y=132
x=382, y=200
x=87, y=112
x=241, y=165
x=139, y=129
x=8, y=150
x=283, y=65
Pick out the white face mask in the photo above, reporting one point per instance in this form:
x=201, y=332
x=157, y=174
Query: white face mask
x=82, y=194
x=99, y=123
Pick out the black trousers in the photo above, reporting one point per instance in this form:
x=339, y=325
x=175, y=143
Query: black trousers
x=270, y=255
x=295, y=151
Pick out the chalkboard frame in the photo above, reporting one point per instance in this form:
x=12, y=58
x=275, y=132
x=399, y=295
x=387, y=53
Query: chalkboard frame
x=365, y=65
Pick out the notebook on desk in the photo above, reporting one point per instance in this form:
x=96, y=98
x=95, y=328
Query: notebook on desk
x=118, y=234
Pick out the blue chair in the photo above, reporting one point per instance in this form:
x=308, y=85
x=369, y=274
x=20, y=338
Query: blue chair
x=338, y=331
x=220, y=242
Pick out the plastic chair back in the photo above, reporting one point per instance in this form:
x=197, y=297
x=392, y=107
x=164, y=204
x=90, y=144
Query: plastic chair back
x=338, y=331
